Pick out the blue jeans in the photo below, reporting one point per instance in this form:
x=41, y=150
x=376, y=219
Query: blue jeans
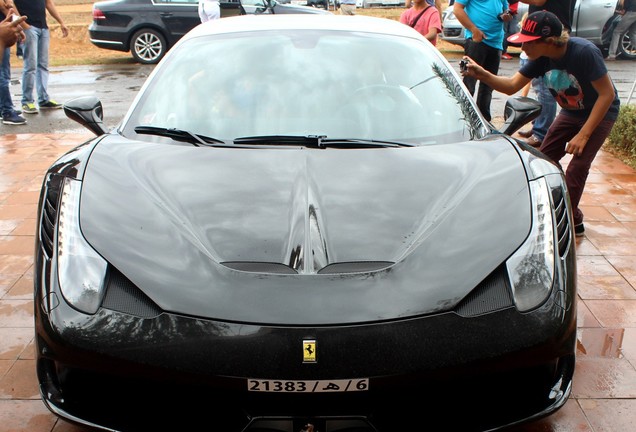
x=36, y=65
x=542, y=123
x=6, y=104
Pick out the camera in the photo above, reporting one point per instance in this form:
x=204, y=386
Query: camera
x=501, y=16
x=463, y=65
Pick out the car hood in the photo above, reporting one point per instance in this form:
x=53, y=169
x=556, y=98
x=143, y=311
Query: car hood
x=297, y=235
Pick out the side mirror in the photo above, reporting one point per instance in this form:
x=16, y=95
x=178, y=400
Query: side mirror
x=519, y=110
x=87, y=111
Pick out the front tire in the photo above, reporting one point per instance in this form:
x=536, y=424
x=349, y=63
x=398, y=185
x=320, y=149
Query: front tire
x=627, y=44
x=148, y=46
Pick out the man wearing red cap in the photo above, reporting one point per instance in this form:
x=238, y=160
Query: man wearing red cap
x=564, y=10
x=574, y=71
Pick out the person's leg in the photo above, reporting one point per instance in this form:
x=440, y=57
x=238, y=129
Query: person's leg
x=579, y=167
x=18, y=49
x=6, y=105
x=563, y=129
x=626, y=21
x=507, y=33
x=492, y=60
x=476, y=52
x=42, y=68
x=29, y=65
x=542, y=123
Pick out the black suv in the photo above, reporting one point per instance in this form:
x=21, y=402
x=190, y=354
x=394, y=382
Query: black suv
x=148, y=28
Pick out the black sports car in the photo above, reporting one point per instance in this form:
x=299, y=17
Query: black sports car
x=356, y=250
x=149, y=28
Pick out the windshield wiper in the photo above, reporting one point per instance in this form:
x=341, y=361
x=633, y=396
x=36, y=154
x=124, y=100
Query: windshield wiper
x=361, y=142
x=317, y=141
x=182, y=135
x=302, y=140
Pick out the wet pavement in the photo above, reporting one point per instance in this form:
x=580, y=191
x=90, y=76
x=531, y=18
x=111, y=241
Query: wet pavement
x=604, y=392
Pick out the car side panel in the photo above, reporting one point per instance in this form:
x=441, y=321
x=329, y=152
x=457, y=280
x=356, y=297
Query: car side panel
x=178, y=17
x=590, y=17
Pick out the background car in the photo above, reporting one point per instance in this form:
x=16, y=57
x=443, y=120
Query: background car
x=263, y=252
x=593, y=20
x=148, y=28
x=379, y=3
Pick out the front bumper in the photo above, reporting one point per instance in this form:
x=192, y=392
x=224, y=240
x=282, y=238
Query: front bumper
x=116, y=370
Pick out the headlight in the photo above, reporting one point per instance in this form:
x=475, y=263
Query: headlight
x=531, y=267
x=81, y=270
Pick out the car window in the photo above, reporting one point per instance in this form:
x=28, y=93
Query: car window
x=176, y=2
x=255, y=3
x=336, y=85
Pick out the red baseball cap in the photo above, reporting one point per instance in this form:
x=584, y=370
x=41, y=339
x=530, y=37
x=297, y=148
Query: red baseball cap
x=537, y=25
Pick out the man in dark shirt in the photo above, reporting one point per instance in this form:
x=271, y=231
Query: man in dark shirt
x=574, y=71
x=563, y=9
x=35, y=74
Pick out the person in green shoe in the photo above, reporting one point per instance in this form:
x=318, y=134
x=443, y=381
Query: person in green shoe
x=35, y=73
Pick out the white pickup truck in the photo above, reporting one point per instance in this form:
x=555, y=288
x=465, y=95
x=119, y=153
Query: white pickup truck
x=593, y=20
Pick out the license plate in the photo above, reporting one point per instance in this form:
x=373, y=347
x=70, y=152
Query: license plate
x=304, y=386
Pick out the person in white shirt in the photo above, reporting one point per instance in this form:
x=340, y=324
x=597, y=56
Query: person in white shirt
x=209, y=10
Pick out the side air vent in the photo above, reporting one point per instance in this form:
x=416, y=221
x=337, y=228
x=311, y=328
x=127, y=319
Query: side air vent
x=50, y=207
x=562, y=220
x=123, y=296
x=492, y=294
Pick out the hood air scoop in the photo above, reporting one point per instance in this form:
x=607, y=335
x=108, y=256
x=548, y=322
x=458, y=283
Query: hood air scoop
x=308, y=248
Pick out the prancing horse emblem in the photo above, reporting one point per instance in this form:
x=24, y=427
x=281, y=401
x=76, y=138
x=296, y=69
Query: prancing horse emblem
x=309, y=351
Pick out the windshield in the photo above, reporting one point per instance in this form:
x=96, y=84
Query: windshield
x=307, y=83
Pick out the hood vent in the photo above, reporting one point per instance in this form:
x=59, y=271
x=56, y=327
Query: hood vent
x=336, y=268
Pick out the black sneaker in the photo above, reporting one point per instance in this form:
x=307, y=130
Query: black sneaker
x=579, y=230
x=51, y=104
x=13, y=119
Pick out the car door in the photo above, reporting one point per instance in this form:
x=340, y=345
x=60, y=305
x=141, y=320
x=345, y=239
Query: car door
x=178, y=16
x=590, y=17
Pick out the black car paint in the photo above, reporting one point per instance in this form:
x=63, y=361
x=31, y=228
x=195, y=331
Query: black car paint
x=202, y=239
x=154, y=351
x=140, y=355
x=222, y=345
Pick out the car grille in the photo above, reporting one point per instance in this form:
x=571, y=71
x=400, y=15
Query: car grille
x=562, y=220
x=452, y=32
x=50, y=208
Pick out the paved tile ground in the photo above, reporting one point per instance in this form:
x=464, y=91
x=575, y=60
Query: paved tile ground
x=604, y=393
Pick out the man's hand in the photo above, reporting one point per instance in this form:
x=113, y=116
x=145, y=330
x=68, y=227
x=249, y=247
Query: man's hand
x=478, y=35
x=506, y=16
x=576, y=145
x=11, y=28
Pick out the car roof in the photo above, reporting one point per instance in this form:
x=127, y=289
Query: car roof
x=359, y=23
